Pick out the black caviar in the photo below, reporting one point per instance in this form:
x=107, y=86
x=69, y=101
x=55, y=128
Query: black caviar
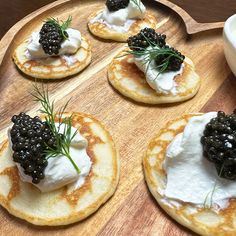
x=30, y=138
x=51, y=38
x=146, y=37
x=174, y=56
x=115, y=5
x=219, y=144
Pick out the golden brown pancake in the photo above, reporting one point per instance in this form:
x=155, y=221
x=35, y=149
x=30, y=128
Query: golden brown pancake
x=102, y=31
x=52, y=67
x=63, y=206
x=130, y=81
x=204, y=221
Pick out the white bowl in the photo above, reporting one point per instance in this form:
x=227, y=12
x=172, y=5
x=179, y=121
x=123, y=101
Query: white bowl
x=229, y=41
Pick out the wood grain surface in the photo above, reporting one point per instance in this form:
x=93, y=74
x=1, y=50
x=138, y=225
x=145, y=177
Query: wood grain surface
x=132, y=210
x=14, y=10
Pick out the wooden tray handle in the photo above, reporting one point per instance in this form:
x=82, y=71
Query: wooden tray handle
x=192, y=26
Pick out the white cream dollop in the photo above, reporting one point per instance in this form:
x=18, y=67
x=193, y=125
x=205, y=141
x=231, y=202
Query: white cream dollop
x=190, y=176
x=68, y=46
x=160, y=82
x=60, y=171
x=122, y=19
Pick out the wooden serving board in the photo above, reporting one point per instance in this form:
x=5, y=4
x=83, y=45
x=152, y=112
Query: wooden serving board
x=132, y=210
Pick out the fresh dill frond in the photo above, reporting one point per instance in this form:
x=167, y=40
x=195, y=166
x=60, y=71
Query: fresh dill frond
x=155, y=53
x=164, y=57
x=211, y=193
x=66, y=24
x=208, y=204
x=63, y=25
x=63, y=140
x=137, y=3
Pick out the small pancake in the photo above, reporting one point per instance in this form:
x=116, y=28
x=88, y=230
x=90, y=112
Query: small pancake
x=204, y=221
x=63, y=206
x=53, y=67
x=130, y=81
x=102, y=31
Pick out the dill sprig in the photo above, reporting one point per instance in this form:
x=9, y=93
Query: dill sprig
x=63, y=140
x=211, y=193
x=63, y=25
x=137, y=3
x=155, y=53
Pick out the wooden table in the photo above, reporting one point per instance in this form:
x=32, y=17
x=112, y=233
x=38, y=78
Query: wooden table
x=14, y=10
x=132, y=210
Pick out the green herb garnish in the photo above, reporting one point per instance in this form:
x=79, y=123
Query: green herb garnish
x=137, y=3
x=155, y=53
x=63, y=140
x=62, y=25
x=211, y=193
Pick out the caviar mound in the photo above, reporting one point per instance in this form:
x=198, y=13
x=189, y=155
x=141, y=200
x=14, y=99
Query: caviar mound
x=52, y=34
x=30, y=138
x=219, y=144
x=145, y=38
x=51, y=38
x=152, y=46
x=67, y=204
x=115, y=5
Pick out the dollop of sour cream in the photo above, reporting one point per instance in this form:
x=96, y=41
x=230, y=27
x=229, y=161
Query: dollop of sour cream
x=68, y=46
x=60, y=171
x=160, y=82
x=190, y=176
x=122, y=19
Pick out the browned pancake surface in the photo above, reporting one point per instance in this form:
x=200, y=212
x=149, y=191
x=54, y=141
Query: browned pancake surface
x=204, y=221
x=63, y=206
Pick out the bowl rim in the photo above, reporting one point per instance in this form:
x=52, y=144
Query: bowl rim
x=228, y=33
